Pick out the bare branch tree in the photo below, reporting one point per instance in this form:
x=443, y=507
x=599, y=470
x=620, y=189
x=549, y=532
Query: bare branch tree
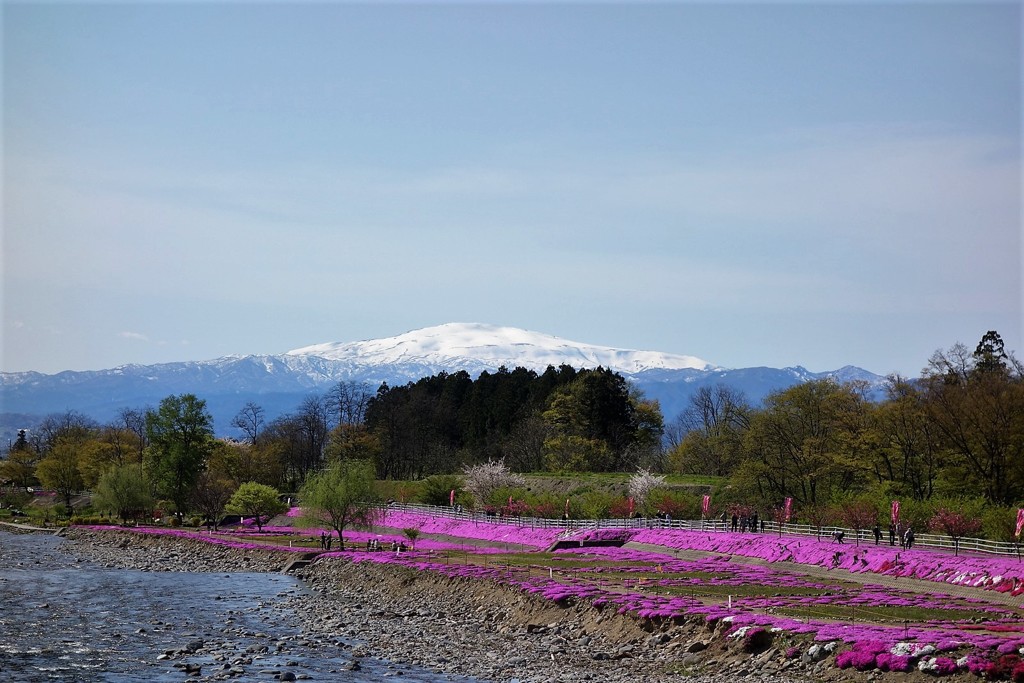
x=348, y=402
x=250, y=419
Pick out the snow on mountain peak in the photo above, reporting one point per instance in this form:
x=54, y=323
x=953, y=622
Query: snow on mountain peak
x=477, y=346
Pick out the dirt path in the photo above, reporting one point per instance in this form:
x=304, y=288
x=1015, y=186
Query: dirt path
x=900, y=582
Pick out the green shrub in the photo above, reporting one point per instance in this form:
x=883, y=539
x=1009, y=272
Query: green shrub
x=437, y=489
x=11, y=497
x=592, y=505
x=999, y=523
x=89, y=520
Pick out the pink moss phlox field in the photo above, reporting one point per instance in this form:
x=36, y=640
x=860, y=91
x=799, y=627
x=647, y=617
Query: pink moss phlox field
x=949, y=635
x=359, y=538
x=479, y=530
x=655, y=585
x=559, y=586
x=994, y=573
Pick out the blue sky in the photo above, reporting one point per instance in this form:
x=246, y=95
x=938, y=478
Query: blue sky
x=755, y=184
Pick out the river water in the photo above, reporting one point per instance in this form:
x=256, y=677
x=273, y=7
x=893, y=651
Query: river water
x=65, y=620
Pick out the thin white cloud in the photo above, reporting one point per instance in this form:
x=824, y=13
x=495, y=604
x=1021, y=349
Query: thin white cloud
x=134, y=336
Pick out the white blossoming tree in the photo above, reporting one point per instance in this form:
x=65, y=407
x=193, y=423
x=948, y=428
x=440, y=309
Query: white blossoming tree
x=484, y=479
x=641, y=484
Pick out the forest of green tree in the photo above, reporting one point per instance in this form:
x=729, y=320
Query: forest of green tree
x=957, y=431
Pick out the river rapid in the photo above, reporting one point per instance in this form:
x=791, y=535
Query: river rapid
x=65, y=619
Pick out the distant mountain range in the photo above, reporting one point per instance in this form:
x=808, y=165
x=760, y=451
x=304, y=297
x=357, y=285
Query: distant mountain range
x=280, y=382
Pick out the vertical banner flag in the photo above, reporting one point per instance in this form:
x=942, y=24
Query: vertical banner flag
x=451, y=497
x=787, y=510
x=566, y=507
x=705, y=505
x=1020, y=522
x=631, y=506
x=896, y=512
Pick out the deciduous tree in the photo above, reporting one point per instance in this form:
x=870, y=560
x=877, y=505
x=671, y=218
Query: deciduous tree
x=908, y=450
x=955, y=524
x=482, y=480
x=641, y=484
x=59, y=470
x=251, y=419
x=211, y=496
x=259, y=501
x=124, y=491
x=340, y=496
x=802, y=441
x=976, y=402
x=19, y=467
x=349, y=441
x=348, y=402
x=858, y=515
x=710, y=431
x=180, y=433
x=69, y=424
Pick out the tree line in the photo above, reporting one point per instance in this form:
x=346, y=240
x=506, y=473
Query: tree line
x=955, y=432
x=560, y=419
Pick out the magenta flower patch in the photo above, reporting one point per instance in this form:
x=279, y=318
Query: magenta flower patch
x=658, y=585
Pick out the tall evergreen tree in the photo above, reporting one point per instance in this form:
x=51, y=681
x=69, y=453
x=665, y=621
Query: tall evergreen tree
x=990, y=354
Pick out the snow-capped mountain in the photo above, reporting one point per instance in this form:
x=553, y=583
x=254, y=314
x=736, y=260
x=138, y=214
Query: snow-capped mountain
x=475, y=347
x=280, y=382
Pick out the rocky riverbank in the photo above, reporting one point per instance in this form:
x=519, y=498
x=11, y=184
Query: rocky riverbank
x=130, y=550
x=476, y=628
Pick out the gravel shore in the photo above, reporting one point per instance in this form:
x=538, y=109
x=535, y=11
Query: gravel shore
x=472, y=628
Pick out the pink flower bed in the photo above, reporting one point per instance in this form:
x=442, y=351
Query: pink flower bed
x=994, y=573
x=482, y=531
x=987, y=572
x=871, y=646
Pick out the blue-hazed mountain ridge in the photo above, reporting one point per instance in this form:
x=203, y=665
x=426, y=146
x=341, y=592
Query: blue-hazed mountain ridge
x=280, y=382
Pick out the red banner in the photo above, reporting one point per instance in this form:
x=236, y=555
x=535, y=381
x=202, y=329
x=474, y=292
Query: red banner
x=1020, y=522
x=632, y=505
x=787, y=510
x=895, y=512
x=705, y=505
x=451, y=497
